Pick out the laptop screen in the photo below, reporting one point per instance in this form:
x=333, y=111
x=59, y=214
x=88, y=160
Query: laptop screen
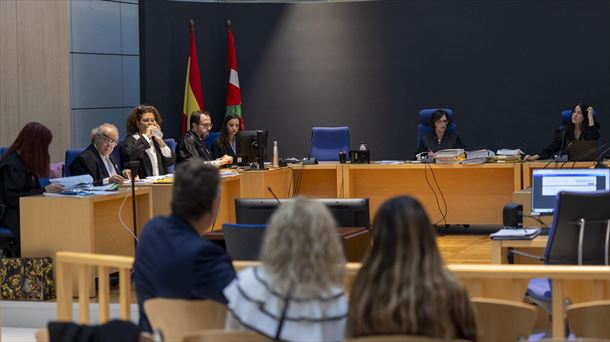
x=547, y=183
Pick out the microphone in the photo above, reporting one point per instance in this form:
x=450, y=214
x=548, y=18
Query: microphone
x=561, y=157
x=274, y=196
x=310, y=160
x=133, y=166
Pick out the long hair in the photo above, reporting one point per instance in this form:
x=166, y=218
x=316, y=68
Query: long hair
x=403, y=286
x=224, y=131
x=136, y=114
x=569, y=130
x=301, y=249
x=32, y=144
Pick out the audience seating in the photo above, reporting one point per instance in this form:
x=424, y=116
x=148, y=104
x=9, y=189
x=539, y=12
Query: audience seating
x=424, y=127
x=216, y=335
x=177, y=317
x=499, y=319
x=71, y=154
x=590, y=319
x=327, y=142
x=64, y=262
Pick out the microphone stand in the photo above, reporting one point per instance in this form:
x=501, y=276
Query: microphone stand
x=133, y=166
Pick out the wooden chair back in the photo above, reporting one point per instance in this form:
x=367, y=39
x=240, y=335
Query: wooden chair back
x=216, y=335
x=178, y=317
x=499, y=319
x=590, y=319
x=397, y=338
x=84, y=262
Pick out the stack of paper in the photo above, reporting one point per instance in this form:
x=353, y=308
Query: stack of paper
x=515, y=234
x=478, y=156
x=450, y=156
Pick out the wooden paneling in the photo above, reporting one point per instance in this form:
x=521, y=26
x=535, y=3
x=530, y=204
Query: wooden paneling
x=34, y=62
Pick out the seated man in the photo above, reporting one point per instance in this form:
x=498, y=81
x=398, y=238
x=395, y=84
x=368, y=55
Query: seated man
x=173, y=260
x=193, y=144
x=97, y=159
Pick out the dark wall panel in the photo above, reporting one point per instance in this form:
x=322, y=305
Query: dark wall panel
x=507, y=68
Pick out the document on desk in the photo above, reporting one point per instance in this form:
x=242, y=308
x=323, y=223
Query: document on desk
x=515, y=234
x=73, y=182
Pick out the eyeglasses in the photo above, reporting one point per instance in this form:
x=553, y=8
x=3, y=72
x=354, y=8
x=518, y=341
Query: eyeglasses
x=108, y=140
x=146, y=108
x=206, y=125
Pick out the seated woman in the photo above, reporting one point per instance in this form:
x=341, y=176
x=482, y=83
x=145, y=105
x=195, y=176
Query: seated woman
x=439, y=139
x=145, y=143
x=580, y=127
x=414, y=293
x=225, y=144
x=297, y=292
x=26, y=160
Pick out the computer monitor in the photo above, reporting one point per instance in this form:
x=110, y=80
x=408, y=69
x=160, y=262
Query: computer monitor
x=547, y=183
x=251, y=146
x=348, y=212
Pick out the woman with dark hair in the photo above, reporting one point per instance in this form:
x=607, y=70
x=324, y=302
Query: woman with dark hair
x=26, y=160
x=226, y=143
x=439, y=139
x=580, y=127
x=145, y=142
x=414, y=293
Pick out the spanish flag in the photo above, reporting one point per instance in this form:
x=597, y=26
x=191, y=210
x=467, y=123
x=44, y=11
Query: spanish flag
x=193, y=94
x=233, y=92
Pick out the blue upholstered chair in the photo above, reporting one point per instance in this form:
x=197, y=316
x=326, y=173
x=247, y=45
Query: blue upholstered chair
x=244, y=241
x=327, y=142
x=566, y=115
x=71, y=154
x=210, y=139
x=3, y=150
x=171, y=143
x=424, y=122
x=562, y=245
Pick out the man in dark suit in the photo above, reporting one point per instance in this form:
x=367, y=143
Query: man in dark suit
x=96, y=160
x=193, y=144
x=173, y=260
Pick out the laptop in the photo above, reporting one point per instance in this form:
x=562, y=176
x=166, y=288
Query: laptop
x=583, y=150
x=547, y=183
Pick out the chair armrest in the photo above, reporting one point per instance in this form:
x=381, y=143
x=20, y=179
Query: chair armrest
x=527, y=255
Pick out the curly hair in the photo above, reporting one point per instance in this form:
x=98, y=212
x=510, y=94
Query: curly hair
x=301, y=249
x=136, y=114
x=403, y=286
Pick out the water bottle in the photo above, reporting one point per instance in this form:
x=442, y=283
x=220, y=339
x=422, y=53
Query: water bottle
x=157, y=133
x=276, y=157
x=362, y=146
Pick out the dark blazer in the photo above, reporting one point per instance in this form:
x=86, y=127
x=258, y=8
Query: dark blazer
x=90, y=162
x=190, y=146
x=174, y=261
x=588, y=133
x=133, y=149
x=15, y=181
x=429, y=142
x=219, y=149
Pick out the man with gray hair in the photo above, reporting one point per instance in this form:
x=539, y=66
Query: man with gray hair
x=96, y=160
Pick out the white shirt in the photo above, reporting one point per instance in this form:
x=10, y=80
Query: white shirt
x=152, y=154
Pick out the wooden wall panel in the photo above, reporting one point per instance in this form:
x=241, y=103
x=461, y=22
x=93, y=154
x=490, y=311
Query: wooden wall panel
x=37, y=85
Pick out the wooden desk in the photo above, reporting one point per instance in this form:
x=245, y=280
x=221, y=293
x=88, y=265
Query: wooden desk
x=475, y=194
x=254, y=183
x=356, y=241
x=82, y=224
x=528, y=168
x=321, y=180
x=499, y=249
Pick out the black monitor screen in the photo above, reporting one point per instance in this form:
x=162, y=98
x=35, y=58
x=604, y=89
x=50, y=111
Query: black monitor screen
x=248, y=146
x=348, y=212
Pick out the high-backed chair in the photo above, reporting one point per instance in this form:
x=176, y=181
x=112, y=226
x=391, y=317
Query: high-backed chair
x=225, y=336
x=327, y=142
x=580, y=227
x=71, y=154
x=177, y=317
x=171, y=143
x=590, y=319
x=566, y=115
x=3, y=151
x=503, y=320
x=244, y=241
x=424, y=122
x=210, y=139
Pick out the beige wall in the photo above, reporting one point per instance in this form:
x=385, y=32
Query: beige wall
x=34, y=70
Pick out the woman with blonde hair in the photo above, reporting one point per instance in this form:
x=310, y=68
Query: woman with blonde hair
x=403, y=287
x=297, y=292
